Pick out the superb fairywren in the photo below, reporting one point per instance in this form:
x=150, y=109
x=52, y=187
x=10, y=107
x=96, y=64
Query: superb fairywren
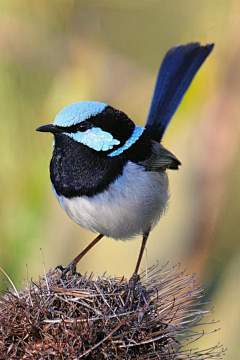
x=110, y=175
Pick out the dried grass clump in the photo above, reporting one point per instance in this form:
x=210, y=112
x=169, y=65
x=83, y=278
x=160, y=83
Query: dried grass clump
x=89, y=317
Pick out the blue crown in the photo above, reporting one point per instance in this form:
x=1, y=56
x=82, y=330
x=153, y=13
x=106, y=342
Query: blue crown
x=78, y=112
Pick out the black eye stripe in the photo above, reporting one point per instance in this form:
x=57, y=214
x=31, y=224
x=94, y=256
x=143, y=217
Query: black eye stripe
x=109, y=120
x=83, y=126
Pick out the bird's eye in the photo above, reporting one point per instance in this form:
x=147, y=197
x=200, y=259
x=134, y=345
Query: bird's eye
x=83, y=126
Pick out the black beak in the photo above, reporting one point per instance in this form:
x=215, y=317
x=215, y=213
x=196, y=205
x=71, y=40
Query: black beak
x=49, y=128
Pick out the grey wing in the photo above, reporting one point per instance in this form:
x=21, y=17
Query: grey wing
x=160, y=159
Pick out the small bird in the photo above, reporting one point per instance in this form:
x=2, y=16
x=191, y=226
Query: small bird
x=108, y=174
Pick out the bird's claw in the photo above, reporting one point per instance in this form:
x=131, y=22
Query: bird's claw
x=131, y=290
x=133, y=281
x=71, y=268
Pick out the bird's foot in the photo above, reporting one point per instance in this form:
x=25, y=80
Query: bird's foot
x=131, y=290
x=133, y=281
x=70, y=269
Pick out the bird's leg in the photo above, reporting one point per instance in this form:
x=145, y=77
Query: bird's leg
x=81, y=255
x=73, y=263
x=144, y=241
x=135, y=277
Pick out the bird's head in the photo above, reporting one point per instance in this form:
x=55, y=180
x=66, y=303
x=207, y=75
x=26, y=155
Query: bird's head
x=95, y=125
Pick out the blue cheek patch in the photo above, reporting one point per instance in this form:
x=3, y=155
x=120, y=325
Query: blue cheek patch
x=95, y=138
x=78, y=112
x=137, y=132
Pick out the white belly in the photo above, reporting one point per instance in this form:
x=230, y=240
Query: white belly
x=131, y=205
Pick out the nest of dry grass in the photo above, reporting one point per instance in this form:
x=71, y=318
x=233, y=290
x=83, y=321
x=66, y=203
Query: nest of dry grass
x=89, y=317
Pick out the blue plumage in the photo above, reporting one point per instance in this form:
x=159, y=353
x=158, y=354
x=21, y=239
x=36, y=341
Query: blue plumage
x=78, y=112
x=178, y=68
x=137, y=132
x=95, y=138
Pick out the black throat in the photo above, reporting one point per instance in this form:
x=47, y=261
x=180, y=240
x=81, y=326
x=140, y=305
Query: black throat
x=77, y=170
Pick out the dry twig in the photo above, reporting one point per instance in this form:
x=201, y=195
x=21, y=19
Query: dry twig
x=89, y=318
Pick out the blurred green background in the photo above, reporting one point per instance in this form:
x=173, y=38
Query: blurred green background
x=53, y=53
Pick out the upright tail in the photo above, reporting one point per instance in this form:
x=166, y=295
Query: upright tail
x=178, y=69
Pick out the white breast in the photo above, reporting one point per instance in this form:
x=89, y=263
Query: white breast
x=131, y=205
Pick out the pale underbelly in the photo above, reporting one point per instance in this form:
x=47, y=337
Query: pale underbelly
x=131, y=206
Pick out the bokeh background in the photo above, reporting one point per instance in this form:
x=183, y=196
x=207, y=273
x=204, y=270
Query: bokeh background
x=53, y=53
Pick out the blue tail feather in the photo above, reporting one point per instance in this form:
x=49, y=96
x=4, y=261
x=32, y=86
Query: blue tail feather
x=178, y=69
